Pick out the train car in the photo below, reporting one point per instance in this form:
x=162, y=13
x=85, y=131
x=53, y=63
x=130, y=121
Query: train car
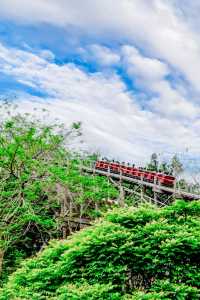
x=136, y=173
x=166, y=180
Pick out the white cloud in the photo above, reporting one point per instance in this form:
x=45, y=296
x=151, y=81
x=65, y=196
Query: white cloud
x=188, y=11
x=33, y=11
x=113, y=122
x=170, y=103
x=150, y=74
x=48, y=55
x=144, y=68
x=156, y=25
x=101, y=55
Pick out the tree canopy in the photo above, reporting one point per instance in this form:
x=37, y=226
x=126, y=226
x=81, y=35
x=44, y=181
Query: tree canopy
x=43, y=193
x=135, y=253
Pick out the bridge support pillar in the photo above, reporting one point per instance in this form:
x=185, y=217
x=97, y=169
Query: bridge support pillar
x=155, y=197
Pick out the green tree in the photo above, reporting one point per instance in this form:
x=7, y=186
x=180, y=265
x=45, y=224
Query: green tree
x=135, y=253
x=176, y=166
x=154, y=164
x=43, y=193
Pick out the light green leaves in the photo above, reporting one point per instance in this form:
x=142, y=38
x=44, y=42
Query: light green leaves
x=140, y=253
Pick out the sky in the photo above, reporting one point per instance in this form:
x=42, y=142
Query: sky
x=129, y=70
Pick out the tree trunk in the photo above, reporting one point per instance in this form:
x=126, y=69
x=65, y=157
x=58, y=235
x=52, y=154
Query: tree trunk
x=121, y=196
x=1, y=260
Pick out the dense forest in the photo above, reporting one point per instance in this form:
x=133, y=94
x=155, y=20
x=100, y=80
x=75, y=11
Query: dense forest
x=66, y=234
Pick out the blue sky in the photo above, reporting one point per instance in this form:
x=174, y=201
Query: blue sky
x=129, y=70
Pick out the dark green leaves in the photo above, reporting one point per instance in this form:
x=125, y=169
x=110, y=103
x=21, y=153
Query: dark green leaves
x=142, y=253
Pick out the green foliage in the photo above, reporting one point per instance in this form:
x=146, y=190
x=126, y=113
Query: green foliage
x=165, y=290
x=85, y=291
x=43, y=193
x=153, y=165
x=176, y=166
x=173, y=167
x=136, y=253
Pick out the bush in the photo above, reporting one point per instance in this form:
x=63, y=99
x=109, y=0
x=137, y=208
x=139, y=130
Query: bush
x=136, y=253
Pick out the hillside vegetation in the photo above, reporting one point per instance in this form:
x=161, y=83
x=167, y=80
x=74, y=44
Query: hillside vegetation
x=139, y=253
x=46, y=201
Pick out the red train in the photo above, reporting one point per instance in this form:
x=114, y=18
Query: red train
x=137, y=173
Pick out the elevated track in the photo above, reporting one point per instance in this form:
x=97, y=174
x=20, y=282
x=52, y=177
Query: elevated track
x=176, y=192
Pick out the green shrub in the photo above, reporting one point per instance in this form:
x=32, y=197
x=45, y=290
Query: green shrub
x=143, y=253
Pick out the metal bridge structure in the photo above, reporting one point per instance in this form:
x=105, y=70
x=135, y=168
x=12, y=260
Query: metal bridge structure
x=139, y=186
